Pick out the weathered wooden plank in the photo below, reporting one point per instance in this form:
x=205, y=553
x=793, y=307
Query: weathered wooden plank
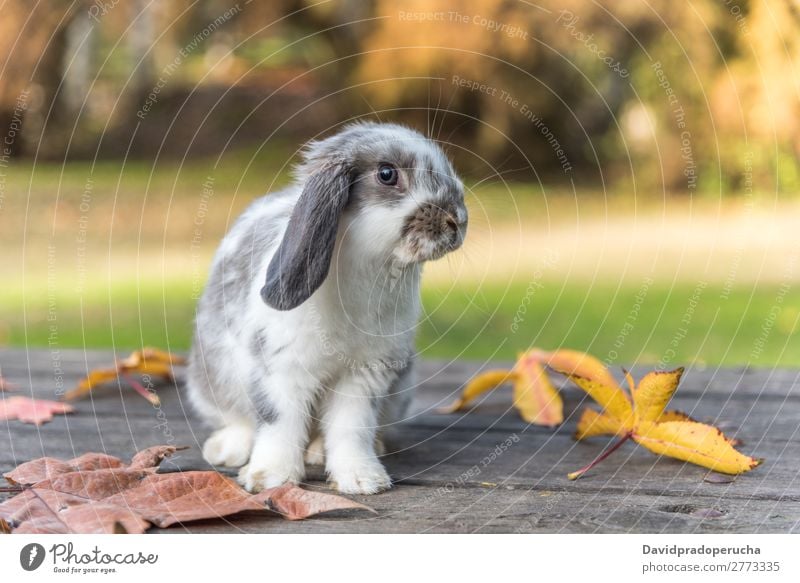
x=443, y=463
x=43, y=364
x=414, y=509
x=510, y=509
x=772, y=414
x=531, y=457
x=751, y=420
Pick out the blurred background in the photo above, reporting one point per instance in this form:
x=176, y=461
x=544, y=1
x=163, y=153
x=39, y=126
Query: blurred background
x=632, y=167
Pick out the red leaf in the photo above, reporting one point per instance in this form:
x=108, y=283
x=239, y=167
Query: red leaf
x=36, y=411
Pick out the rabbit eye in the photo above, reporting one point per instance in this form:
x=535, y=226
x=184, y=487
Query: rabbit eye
x=387, y=174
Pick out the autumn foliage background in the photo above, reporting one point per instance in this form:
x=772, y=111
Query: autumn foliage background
x=632, y=167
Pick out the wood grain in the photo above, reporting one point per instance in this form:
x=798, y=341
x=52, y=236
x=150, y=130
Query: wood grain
x=483, y=470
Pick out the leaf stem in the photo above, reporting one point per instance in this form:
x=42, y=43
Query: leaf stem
x=139, y=388
x=600, y=458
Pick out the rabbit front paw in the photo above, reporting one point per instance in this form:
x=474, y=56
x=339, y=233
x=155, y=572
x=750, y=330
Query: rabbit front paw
x=257, y=476
x=229, y=446
x=362, y=477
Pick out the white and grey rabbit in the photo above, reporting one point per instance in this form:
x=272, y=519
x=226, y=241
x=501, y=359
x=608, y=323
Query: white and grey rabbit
x=305, y=332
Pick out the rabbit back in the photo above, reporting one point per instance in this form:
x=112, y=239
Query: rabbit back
x=221, y=368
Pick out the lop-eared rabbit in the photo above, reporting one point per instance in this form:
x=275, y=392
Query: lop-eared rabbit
x=304, y=338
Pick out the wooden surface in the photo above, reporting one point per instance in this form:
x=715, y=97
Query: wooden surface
x=447, y=477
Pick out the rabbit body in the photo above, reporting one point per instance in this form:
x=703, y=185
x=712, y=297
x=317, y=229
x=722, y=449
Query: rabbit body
x=314, y=362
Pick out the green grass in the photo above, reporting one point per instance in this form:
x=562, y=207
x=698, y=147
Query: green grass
x=141, y=222
x=749, y=325
x=672, y=326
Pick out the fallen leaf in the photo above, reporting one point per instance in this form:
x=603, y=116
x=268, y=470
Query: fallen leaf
x=478, y=385
x=295, y=503
x=153, y=456
x=645, y=421
x=575, y=362
x=97, y=493
x=35, y=411
x=151, y=362
x=45, y=511
x=535, y=397
x=47, y=468
x=7, y=386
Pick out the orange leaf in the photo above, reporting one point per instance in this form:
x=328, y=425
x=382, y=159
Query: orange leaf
x=535, y=397
x=573, y=362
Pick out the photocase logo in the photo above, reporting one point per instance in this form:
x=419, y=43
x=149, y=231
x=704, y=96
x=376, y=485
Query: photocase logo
x=31, y=556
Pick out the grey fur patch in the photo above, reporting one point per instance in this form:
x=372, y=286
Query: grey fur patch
x=206, y=381
x=394, y=404
x=258, y=344
x=266, y=412
x=229, y=282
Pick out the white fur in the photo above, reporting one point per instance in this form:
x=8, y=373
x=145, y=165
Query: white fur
x=344, y=348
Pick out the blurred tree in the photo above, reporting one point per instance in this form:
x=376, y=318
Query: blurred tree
x=657, y=94
x=31, y=41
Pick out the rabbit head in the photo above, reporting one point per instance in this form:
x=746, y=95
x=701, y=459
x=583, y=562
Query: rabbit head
x=385, y=190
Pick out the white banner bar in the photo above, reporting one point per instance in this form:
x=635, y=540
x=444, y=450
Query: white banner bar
x=400, y=558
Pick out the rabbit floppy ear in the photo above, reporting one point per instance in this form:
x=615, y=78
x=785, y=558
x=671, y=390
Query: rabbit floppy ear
x=303, y=258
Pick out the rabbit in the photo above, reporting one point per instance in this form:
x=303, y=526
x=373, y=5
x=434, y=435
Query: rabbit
x=304, y=333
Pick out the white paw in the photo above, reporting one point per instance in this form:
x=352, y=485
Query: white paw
x=315, y=453
x=229, y=446
x=256, y=477
x=365, y=477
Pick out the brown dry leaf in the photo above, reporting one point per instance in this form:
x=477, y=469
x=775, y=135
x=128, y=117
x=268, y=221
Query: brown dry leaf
x=44, y=511
x=294, y=503
x=46, y=468
x=96, y=493
x=148, y=361
x=35, y=411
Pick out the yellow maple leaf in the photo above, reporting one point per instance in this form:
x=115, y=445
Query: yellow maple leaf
x=535, y=397
x=644, y=420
